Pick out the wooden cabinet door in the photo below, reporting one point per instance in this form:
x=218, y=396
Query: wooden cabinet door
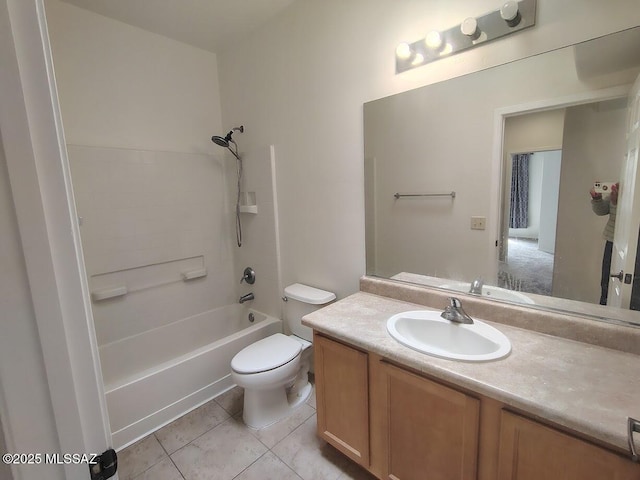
x=432, y=429
x=342, y=397
x=532, y=451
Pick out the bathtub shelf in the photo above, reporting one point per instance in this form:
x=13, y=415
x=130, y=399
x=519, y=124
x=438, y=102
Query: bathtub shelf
x=249, y=209
x=118, y=283
x=248, y=202
x=193, y=274
x=106, y=293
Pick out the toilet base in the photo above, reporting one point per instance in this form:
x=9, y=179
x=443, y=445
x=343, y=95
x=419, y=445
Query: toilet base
x=263, y=408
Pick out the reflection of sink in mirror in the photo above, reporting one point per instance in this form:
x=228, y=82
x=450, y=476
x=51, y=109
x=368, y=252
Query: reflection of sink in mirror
x=489, y=291
x=427, y=332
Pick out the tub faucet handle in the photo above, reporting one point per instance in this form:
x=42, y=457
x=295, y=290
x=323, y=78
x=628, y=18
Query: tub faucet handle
x=248, y=276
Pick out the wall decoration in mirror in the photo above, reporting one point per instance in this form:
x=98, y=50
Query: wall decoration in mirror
x=532, y=137
x=513, y=16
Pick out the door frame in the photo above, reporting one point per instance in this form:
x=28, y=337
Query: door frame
x=39, y=175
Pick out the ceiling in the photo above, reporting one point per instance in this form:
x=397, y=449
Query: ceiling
x=207, y=24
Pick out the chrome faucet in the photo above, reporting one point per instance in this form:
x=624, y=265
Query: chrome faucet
x=455, y=313
x=246, y=298
x=476, y=286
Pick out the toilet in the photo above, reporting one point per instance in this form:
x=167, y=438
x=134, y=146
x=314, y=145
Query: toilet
x=274, y=371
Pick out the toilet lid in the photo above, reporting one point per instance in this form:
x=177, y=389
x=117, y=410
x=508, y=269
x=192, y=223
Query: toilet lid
x=266, y=354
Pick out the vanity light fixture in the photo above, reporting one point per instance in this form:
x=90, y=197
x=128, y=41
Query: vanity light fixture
x=511, y=17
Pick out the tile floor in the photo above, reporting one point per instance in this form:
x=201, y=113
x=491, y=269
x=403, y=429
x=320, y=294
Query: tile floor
x=212, y=443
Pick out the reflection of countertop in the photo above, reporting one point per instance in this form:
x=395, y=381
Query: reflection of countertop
x=563, y=305
x=585, y=388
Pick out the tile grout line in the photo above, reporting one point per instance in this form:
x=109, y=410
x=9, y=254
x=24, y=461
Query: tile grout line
x=291, y=433
x=249, y=466
x=169, y=456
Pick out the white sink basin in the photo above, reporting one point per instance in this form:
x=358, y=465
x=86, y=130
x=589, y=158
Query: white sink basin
x=491, y=292
x=427, y=332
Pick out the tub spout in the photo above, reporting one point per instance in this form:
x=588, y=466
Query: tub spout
x=246, y=298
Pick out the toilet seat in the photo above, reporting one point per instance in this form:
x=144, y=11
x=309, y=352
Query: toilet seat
x=266, y=354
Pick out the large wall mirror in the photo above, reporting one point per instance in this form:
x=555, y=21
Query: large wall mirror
x=487, y=177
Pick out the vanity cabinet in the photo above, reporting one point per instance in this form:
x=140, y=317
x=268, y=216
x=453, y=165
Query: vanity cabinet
x=342, y=397
x=417, y=425
x=531, y=451
x=400, y=425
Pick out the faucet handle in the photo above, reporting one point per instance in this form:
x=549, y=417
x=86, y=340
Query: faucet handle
x=454, y=302
x=248, y=276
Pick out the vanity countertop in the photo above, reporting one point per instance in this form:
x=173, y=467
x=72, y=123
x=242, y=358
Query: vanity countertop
x=588, y=389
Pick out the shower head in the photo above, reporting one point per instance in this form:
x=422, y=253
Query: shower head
x=221, y=141
x=227, y=140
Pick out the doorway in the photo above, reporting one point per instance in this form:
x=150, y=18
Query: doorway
x=529, y=254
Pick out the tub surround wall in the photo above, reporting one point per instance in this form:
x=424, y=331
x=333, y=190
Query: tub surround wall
x=148, y=217
x=261, y=243
x=151, y=188
x=121, y=86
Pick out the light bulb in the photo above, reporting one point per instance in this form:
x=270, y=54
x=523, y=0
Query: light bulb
x=433, y=40
x=470, y=28
x=417, y=60
x=403, y=51
x=510, y=13
x=448, y=48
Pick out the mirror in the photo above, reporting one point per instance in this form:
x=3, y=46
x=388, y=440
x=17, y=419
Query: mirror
x=439, y=164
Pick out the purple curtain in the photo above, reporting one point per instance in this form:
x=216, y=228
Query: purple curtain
x=519, y=211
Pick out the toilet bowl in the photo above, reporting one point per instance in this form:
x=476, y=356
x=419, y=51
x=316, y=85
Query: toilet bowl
x=274, y=371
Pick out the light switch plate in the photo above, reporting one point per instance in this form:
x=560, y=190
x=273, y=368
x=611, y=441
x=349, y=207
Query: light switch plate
x=478, y=223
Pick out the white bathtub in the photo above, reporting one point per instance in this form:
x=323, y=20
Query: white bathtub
x=155, y=377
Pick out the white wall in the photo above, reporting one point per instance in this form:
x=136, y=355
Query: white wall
x=120, y=86
x=552, y=162
x=24, y=394
x=300, y=83
x=593, y=149
x=532, y=132
x=543, y=195
x=139, y=111
x=5, y=470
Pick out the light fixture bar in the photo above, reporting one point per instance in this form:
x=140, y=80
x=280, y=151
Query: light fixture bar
x=490, y=26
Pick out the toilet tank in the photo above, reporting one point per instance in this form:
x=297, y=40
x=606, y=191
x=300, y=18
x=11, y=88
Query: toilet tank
x=302, y=300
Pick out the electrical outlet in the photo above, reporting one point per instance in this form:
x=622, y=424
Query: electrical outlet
x=478, y=223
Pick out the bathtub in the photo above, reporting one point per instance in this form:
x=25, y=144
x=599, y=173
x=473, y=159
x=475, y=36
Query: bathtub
x=155, y=377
